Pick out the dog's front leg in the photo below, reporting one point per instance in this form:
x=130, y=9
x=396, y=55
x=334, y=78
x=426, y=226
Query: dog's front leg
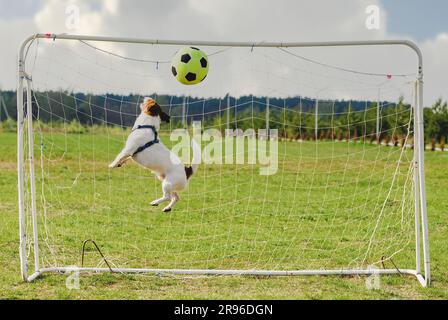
x=120, y=159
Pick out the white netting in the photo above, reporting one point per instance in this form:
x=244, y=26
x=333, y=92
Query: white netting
x=341, y=197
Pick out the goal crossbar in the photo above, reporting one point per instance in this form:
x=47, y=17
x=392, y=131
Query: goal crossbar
x=24, y=83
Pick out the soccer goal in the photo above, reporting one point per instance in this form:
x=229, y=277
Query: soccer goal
x=312, y=159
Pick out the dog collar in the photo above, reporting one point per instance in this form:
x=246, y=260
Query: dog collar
x=150, y=143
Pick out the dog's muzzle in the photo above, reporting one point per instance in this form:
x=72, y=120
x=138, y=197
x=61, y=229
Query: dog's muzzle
x=165, y=117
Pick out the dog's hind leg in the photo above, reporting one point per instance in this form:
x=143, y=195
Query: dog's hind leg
x=166, y=194
x=160, y=200
x=174, y=199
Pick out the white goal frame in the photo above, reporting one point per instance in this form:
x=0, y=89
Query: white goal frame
x=422, y=267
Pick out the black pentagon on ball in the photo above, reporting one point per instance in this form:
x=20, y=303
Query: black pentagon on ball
x=194, y=48
x=174, y=71
x=203, y=62
x=190, y=76
x=185, y=58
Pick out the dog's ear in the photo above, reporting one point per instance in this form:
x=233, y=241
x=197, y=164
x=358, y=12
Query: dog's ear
x=146, y=104
x=165, y=117
x=156, y=110
x=148, y=107
x=153, y=109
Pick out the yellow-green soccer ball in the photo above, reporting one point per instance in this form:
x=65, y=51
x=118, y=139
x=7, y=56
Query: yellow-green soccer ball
x=189, y=65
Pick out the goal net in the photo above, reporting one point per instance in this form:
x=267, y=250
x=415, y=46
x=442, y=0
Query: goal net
x=310, y=160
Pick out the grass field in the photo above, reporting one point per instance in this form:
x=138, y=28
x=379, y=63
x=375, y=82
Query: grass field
x=318, y=211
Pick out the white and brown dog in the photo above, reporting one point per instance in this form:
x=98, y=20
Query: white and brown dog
x=144, y=147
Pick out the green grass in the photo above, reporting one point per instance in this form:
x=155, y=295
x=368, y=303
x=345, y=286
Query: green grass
x=318, y=211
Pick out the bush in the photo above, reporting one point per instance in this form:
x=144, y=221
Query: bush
x=8, y=125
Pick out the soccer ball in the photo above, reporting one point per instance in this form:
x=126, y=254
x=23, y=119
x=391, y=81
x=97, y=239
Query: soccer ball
x=189, y=65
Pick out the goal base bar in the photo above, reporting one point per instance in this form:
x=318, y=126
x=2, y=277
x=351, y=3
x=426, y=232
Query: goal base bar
x=211, y=272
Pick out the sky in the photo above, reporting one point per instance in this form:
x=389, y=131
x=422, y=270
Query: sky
x=419, y=19
x=234, y=20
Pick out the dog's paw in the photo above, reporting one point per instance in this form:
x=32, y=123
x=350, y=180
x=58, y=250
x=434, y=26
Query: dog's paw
x=112, y=165
x=166, y=209
x=154, y=204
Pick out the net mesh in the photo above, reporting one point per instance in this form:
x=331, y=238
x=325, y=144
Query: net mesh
x=341, y=196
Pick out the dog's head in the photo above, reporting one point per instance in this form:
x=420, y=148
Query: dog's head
x=152, y=108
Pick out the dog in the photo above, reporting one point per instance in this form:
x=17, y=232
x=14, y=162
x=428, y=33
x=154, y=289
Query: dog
x=144, y=147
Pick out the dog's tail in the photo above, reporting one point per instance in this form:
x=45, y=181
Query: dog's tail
x=195, y=161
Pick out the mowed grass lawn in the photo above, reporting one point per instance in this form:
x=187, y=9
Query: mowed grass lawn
x=330, y=205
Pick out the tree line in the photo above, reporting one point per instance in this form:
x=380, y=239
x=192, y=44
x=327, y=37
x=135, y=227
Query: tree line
x=293, y=117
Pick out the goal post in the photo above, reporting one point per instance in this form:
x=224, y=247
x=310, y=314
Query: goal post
x=30, y=240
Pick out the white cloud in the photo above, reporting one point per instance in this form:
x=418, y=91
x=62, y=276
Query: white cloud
x=52, y=17
x=12, y=33
x=254, y=20
x=435, y=64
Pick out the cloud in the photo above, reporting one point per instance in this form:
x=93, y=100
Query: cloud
x=235, y=70
x=53, y=16
x=11, y=10
x=435, y=64
x=12, y=33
